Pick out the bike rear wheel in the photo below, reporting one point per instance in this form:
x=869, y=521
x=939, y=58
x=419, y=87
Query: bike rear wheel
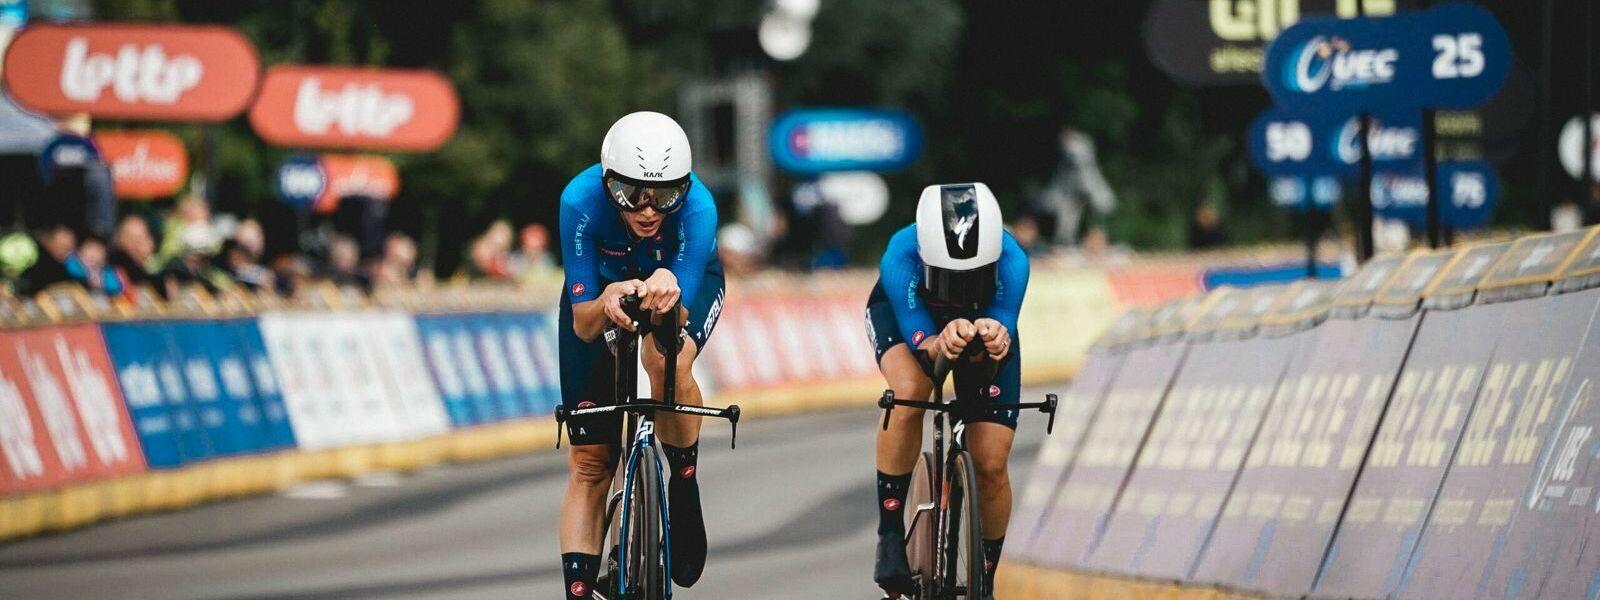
x=921, y=516
x=963, y=532
x=643, y=553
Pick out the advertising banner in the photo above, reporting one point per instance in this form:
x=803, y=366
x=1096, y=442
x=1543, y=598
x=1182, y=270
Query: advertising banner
x=132, y=71
x=438, y=333
x=366, y=175
x=303, y=106
x=1473, y=543
x=1412, y=447
x=1193, y=454
x=62, y=418
x=1077, y=410
x=262, y=379
x=1281, y=515
x=144, y=164
x=171, y=425
x=820, y=140
x=1285, y=142
x=1223, y=42
x=1449, y=56
x=301, y=181
x=1085, y=500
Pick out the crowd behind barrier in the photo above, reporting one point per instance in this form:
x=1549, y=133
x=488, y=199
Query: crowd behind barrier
x=1421, y=429
x=115, y=405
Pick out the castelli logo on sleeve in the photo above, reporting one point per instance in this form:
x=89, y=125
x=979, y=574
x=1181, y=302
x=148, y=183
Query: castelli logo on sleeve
x=917, y=336
x=344, y=107
x=577, y=289
x=147, y=72
x=687, y=472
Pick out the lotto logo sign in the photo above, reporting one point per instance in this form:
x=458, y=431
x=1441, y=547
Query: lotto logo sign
x=339, y=107
x=145, y=72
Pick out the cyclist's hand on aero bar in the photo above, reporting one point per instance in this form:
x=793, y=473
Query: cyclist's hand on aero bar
x=996, y=340
x=953, y=340
x=611, y=300
x=663, y=291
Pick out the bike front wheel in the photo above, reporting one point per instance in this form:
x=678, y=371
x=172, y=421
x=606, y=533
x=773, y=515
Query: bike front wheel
x=643, y=552
x=963, y=532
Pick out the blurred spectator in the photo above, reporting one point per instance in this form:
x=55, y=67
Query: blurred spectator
x=1566, y=217
x=251, y=237
x=88, y=267
x=532, y=257
x=192, y=211
x=489, y=255
x=1077, y=182
x=56, y=244
x=1206, y=231
x=292, y=273
x=344, y=264
x=833, y=236
x=244, y=266
x=196, y=246
x=398, y=267
x=1026, y=231
x=133, y=252
x=738, y=248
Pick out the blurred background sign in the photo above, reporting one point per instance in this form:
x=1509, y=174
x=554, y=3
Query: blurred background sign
x=1468, y=193
x=301, y=180
x=1223, y=42
x=1285, y=142
x=1305, y=193
x=125, y=71
x=351, y=175
x=810, y=141
x=1452, y=56
x=340, y=107
x=144, y=164
x=1571, y=147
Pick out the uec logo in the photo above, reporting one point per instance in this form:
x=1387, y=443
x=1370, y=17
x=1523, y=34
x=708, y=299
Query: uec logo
x=1330, y=62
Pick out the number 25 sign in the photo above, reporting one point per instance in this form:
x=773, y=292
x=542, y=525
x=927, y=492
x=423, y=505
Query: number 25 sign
x=1452, y=56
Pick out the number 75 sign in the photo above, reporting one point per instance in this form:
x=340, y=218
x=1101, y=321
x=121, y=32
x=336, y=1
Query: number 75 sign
x=1452, y=56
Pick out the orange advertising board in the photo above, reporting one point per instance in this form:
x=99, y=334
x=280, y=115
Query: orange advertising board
x=344, y=107
x=144, y=164
x=128, y=71
x=366, y=175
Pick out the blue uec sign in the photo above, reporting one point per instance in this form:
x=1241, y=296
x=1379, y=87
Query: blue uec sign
x=301, y=180
x=1452, y=56
x=812, y=141
x=1468, y=192
x=1285, y=143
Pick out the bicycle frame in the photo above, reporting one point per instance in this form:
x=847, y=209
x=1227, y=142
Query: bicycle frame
x=944, y=459
x=640, y=422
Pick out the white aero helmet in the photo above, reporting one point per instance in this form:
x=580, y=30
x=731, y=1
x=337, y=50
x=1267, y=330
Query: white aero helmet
x=645, y=158
x=959, y=233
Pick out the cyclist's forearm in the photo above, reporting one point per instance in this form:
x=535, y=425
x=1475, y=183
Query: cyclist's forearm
x=588, y=319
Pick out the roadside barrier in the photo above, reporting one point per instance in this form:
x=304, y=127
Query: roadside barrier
x=1432, y=436
x=110, y=408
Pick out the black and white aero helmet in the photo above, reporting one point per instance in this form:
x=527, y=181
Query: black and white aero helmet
x=959, y=234
x=645, y=158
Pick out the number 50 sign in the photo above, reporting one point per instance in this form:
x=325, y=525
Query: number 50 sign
x=1452, y=56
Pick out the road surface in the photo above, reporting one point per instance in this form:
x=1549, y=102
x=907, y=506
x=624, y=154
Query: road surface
x=790, y=512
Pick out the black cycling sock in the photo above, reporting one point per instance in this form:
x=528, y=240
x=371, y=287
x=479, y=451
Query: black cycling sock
x=891, y=572
x=991, y=559
x=683, y=507
x=580, y=571
x=891, y=495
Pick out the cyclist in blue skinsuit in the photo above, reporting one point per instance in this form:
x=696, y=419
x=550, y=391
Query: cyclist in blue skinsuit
x=637, y=223
x=953, y=279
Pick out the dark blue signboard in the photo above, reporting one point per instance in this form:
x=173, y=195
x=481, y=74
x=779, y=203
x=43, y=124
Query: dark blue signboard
x=1468, y=192
x=1284, y=142
x=1451, y=56
x=812, y=141
x=301, y=180
x=1305, y=193
x=66, y=151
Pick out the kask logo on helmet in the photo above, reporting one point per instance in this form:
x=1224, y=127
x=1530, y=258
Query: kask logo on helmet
x=1331, y=62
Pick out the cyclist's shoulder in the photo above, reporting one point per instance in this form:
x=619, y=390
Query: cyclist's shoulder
x=584, y=191
x=1011, y=252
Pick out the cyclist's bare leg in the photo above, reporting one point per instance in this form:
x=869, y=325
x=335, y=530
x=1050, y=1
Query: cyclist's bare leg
x=899, y=444
x=589, y=472
x=990, y=444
